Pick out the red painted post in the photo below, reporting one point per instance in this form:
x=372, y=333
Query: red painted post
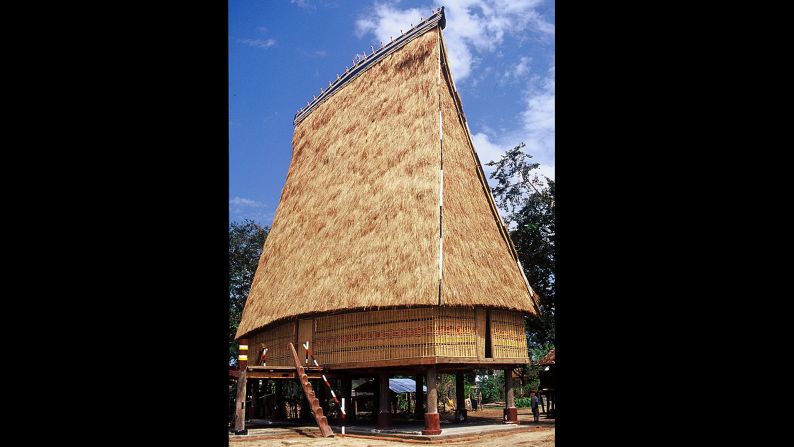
x=511, y=412
x=432, y=418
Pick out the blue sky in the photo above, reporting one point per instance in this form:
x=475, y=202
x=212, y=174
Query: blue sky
x=281, y=52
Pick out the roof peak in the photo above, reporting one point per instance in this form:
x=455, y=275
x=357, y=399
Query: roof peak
x=361, y=64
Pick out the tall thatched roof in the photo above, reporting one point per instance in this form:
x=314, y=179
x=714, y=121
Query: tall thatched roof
x=367, y=217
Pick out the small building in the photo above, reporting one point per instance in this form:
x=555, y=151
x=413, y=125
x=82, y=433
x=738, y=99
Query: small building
x=547, y=381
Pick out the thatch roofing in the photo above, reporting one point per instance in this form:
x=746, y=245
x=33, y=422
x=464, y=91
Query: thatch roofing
x=367, y=218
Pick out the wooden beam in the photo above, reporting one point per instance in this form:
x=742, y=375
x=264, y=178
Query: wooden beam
x=285, y=375
x=468, y=362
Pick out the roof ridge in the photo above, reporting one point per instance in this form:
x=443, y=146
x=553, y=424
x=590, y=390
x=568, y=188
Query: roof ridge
x=362, y=64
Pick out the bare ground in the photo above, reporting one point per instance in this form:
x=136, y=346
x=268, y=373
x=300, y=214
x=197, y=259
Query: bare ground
x=529, y=435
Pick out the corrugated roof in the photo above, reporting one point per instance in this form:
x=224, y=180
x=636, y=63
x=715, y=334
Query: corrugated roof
x=396, y=385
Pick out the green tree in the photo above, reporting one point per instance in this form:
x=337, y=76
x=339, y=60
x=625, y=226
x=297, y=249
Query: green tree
x=527, y=200
x=246, y=241
x=492, y=386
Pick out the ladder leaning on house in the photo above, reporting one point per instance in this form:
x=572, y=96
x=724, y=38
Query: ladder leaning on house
x=317, y=411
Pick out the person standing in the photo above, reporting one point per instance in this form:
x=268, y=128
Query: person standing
x=533, y=402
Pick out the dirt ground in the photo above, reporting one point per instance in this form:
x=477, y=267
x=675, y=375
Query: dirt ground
x=529, y=434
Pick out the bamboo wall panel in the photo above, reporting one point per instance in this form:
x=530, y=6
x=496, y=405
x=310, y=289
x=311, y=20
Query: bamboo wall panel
x=455, y=332
x=277, y=340
x=508, y=337
x=374, y=335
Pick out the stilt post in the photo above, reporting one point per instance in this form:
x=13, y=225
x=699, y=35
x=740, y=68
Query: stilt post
x=384, y=403
x=460, y=398
x=432, y=418
x=510, y=412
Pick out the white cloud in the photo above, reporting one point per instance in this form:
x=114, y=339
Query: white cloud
x=487, y=150
x=386, y=22
x=243, y=202
x=536, y=129
x=547, y=171
x=538, y=117
x=519, y=71
x=241, y=208
x=258, y=43
x=473, y=26
x=522, y=68
x=301, y=4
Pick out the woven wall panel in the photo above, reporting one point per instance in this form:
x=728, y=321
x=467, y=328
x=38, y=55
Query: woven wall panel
x=455, y=332
x=375, y=335
x=277, y=340
x=397, y=334
x=508, y=338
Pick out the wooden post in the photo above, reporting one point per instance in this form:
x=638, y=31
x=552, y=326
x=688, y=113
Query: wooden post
x=460, y=398
x=384, y=402
x=510, y=412
x=239, y=407
x=419, y=409
x=432, y=419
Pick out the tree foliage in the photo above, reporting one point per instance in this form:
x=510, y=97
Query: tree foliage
x=527, y=201
x=246, y=241
x=492, y=386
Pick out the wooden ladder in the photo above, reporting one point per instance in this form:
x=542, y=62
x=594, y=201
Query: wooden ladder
x=317, y=411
